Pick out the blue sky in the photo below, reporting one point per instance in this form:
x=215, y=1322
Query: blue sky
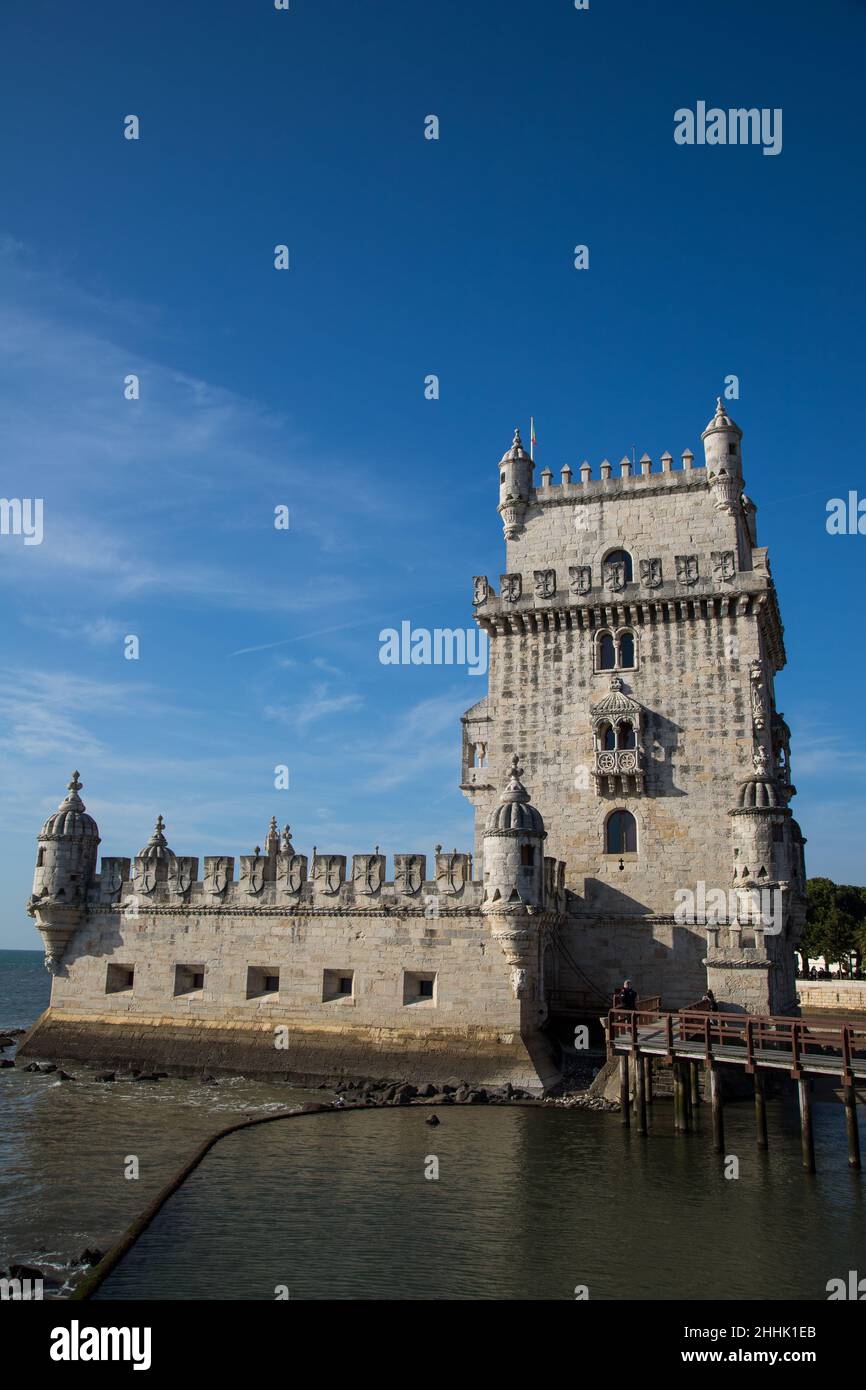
x=305, y=387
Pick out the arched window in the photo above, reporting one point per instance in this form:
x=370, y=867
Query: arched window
x=626, y=651
x=621, y=557
x=608, y=741
x=621, y=833
x=625, y=735
x=606, y=652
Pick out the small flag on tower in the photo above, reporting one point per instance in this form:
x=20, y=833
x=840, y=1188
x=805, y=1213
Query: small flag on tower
x=532, y=436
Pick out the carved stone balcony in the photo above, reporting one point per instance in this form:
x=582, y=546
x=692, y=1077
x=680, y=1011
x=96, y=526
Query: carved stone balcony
x=619, y=770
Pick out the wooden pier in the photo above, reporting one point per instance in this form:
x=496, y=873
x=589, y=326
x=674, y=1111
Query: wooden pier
x=758, y=1044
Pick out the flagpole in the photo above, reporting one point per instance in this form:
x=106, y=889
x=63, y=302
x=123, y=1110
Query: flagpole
x=532, y=437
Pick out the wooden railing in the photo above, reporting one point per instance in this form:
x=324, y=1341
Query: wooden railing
x=792, y=1038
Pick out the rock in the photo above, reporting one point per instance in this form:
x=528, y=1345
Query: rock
x=428, y=1090
x=441, y=1099
x=105, y=1076
x=32, y=1066
x=478, y=1097
x=64, y=1076
x=46, y=1067
x=432, y=1120
x=6, y=1041
x=388, y=1095
x=146, y=1076
x=209, y=1081
x=6, y=1062
x=90, y=1257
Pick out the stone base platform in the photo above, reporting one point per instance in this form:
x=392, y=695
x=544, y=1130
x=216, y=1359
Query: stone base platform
x=191, y=1046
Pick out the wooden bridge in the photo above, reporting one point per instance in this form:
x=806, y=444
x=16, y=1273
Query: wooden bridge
x=757, y=1044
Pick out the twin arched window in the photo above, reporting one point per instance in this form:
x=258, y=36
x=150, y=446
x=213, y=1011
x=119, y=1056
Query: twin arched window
x=621, y=735
x=620, y=833
x=616, y=651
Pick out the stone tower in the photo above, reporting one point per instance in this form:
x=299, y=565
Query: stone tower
x=65, y=870
x=635, y=640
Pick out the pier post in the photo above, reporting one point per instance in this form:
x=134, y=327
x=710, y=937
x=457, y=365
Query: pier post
x=624, y=1103
x=718, y=1113
x=639, y=1093
x=648, y=1079
x=681, y=1101
x=760, y=1109
x=850, y=1098
x=806, y=1136
x=695, y=1088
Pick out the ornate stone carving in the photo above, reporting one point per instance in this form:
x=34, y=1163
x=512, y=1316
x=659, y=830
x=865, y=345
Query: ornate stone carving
x=651, y=573
x=453, y=871
x=580, y=579
x=724, y=568
x=480, y=589
x=545, y=583
x=329, y=872
x=759, y=695
x=368, y=873
x=111, y=879
x=511, y=587
x=687, y=569
x=614, y=575
x=183, y=875
x=291, y=872
x=253, y=872
x=217, y=874
x=410, y=871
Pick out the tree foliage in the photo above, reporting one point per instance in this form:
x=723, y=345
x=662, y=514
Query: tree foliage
x=835, y=921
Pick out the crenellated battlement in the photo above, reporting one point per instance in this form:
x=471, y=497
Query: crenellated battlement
x=578, y=484
x=289, y=882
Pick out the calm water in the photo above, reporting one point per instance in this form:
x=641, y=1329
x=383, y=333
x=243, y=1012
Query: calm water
x=63, y=1144
x=529, y=1203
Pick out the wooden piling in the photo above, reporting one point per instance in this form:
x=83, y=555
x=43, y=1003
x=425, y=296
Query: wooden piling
x=806, y=1137
x=624, y=1103
x=639, y=1093
x=718, y=1113
x=760, y=1109
x=694, y=1088
x=681, y=1114
x=849, y=1096
x=648, y=1079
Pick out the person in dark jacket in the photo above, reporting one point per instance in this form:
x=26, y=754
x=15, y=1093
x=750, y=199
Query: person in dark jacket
x=627, y=996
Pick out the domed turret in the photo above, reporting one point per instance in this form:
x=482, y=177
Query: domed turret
x=513, y=849
x=515, y=486
x=761, y=828
x=156, y=858
x=65, y=869
x=723, y=459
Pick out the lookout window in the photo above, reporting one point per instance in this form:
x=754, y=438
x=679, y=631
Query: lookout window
x=119, y=978
x=527, y=856
x=419, y=987
x=621, y=833
x=188, y=980
x=337, y=984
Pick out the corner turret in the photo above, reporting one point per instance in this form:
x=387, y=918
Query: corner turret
x=722, y=453
x=513, y=850
x=65, y=869
x=515, y=486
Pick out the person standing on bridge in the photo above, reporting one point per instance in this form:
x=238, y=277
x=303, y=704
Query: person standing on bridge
x=627, y=996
